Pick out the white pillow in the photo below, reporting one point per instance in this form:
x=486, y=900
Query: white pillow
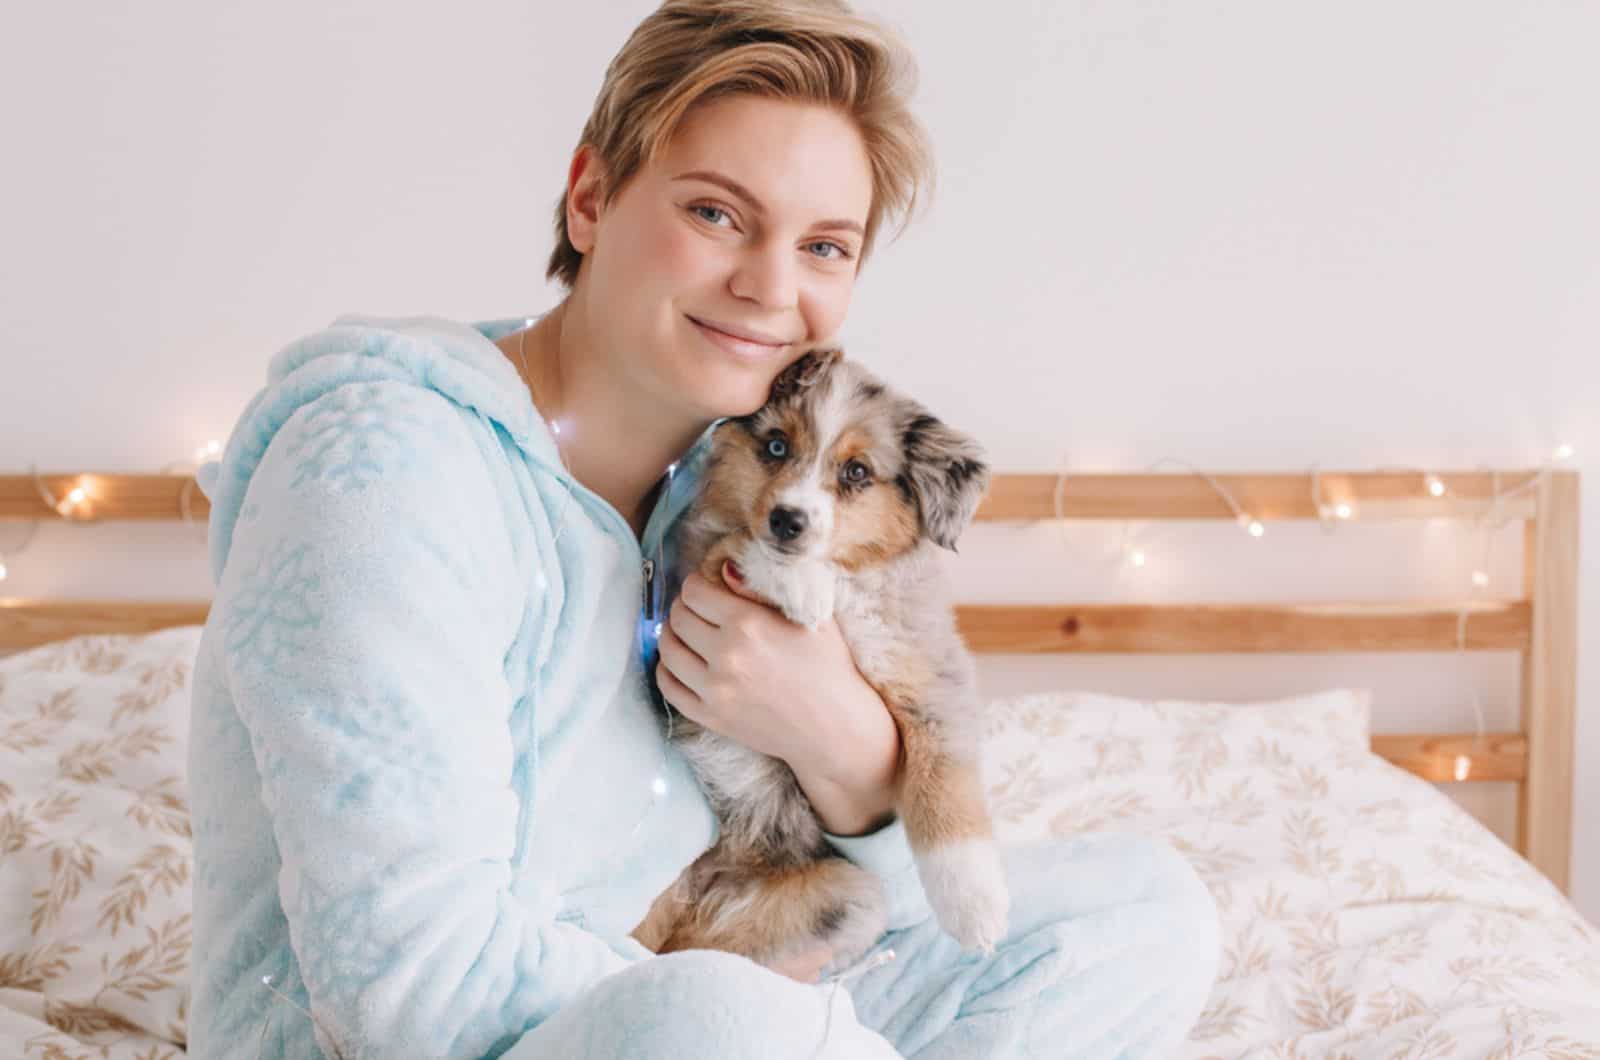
x=95, y=847
x=1104, y=762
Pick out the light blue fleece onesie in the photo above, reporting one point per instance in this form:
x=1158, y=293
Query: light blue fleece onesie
x=431, y=798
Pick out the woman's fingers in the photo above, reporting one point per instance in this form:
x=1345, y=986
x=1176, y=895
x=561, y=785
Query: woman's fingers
x=677, y=693
x=713, y=603
x=688, y=668
x=695, y=632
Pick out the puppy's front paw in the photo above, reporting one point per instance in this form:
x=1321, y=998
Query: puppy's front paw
x=967, y=889
x=806, y=595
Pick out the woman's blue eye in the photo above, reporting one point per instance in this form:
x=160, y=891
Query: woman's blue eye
x=840, y=253
x=777, y=447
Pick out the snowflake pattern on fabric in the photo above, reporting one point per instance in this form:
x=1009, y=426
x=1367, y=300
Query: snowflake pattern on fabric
x=354, y=435
x=352, y=951
x=274, y=612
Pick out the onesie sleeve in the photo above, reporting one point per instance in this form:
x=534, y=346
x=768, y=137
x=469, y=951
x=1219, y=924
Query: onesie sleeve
x=886, y=854
x=369, y=602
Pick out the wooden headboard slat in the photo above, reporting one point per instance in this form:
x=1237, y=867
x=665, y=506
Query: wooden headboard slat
x=110, y=497
x=1228, y=628
x=29, y=623
x=1372, y=495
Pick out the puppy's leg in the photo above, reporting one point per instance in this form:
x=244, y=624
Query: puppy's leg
x=670, y=906
x=803, y=590
x=806, y=595
x=771, y=914
x=948, y=827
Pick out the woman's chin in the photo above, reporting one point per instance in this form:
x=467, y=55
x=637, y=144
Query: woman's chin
x=726, y=390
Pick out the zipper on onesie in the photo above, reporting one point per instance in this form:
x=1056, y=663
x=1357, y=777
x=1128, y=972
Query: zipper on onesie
x=649, y=578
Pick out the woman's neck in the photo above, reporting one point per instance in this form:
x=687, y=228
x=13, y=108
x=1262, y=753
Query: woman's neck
x=612, y=437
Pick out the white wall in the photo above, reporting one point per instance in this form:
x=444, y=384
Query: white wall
x=1250, y=235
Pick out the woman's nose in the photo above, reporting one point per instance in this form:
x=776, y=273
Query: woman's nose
x=767, y=277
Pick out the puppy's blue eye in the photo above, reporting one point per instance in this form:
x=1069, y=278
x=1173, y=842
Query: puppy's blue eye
x=777, y=447
x=855, y=472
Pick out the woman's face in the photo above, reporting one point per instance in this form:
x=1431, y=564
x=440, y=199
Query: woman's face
x=680, y=251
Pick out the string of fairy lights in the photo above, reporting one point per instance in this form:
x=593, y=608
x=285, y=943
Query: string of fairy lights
x=76, y=506
x=1330, y=515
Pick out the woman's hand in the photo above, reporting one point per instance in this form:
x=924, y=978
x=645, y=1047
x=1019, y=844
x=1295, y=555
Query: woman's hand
x=743, y=670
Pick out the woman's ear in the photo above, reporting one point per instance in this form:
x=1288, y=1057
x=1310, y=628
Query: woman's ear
x=585, y=194
x=946, y=472
x=806, y=371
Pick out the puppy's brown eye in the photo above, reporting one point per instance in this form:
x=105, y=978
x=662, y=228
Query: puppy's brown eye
x=777, y=447
x=855, y=473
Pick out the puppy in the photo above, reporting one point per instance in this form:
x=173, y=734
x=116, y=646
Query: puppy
x=832, y=499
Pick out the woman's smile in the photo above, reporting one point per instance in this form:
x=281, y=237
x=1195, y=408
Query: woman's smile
x=744, y=349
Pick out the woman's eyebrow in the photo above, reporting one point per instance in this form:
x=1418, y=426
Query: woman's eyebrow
x=712, y=177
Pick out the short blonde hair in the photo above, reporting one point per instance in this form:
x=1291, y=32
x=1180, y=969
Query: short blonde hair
x=813, y=51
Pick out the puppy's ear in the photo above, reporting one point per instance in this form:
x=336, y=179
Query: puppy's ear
x=946, y=472
x=805, y=372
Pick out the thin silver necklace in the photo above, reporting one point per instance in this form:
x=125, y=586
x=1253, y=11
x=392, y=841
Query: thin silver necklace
x=555, y=431
x=555, y=424
x=658, y=784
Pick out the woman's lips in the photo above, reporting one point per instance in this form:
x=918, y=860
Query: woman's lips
x=743, y=348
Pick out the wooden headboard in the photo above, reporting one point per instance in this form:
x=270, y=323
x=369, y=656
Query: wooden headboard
x=1541, y=625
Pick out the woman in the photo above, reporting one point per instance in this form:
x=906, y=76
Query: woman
x=431, y=800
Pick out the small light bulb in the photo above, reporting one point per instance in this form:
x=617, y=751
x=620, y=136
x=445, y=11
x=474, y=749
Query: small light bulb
x=1480, y=578
x=1255, y=528
x=1136, y=557
x=1563, y=451
x=76, y=496
x=1435, y=486
x=1463, y=767
x=1342, y=511
x=659, y=786
x=2, y=571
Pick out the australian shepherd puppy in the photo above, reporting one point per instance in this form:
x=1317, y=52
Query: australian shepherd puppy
x=832, y=499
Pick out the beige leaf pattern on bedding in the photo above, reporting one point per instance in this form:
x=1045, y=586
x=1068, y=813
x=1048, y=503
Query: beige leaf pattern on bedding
x=95, y=831
x=1365, y=915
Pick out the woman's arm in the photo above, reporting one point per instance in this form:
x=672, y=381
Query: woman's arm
x=851, y=784
x=738, y=667
x=366, y=611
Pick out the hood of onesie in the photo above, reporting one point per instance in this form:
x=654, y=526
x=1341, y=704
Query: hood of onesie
x=459, y=360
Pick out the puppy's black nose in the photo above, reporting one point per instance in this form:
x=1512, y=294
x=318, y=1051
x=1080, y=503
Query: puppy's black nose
x=787, y=523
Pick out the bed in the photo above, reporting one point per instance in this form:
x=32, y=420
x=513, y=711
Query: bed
x=1365, y=913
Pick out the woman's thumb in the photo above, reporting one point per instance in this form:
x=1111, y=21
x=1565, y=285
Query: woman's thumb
x=733, y=578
